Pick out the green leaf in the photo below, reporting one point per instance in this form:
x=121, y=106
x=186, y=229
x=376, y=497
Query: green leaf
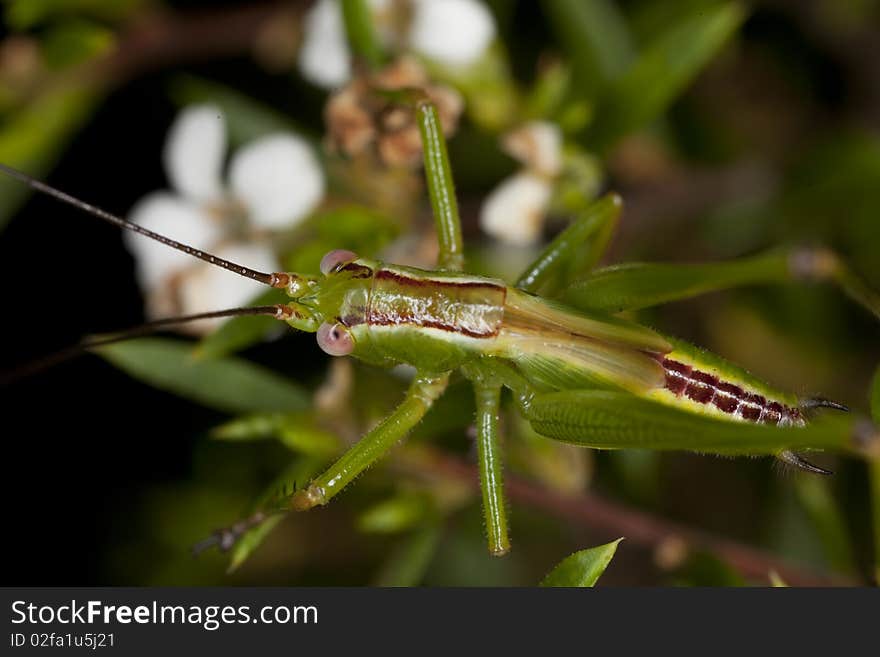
x=582, y=568
x=297, y=431
x=34, y=137
x=816, y=496
x=73, y=42
x=25, y=14
x=395, y=514
x=636, y=285
x=596, y=38
x=662, y=71
x=229, y=384
x=408, y=562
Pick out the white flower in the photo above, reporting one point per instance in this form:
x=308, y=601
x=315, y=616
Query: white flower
x=273, y=182
x=454, y=33
x=451, y=32
x=324, y=55
x=514, y=212
x=537, y=145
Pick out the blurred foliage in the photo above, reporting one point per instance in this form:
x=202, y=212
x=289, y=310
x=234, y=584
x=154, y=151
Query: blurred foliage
x=737, y=135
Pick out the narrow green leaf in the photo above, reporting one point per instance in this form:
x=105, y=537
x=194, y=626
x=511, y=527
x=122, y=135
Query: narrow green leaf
x=35, y=136
x=662, y=71
x=230, y=384
x=25, y=14
x=596, y=37
x=73, y=42
x=582, y=568
x=577, y=247
x=396, y=514
x=297, y=431
x=632, y=286
x=816, y=496
x=241, y=332
x=294, y=476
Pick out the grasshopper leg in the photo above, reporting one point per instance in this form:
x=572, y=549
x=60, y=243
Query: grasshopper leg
x=419, y=398
x=795, y=459
x=491, y=483
x=441, y=187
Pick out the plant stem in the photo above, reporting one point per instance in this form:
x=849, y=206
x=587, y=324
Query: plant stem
x=613, y=519
x=360, y=32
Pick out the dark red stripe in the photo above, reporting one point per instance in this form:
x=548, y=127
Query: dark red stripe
x=401, y=279
x=705, y=388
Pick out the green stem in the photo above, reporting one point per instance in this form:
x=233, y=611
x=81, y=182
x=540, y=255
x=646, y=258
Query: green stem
x=361, y=33
x=419, y=398
x=441, y=187
x=491, y=481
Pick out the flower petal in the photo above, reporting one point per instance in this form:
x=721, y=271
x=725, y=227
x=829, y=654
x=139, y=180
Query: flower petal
x=324, y=55
x=278, y=179
x=194, y=152
x=173, y=217
x=205, y=288
x=452, y=32
x=514, y=212
x=537, y=145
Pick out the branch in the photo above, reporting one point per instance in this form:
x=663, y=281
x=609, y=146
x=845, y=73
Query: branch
x=591, y=511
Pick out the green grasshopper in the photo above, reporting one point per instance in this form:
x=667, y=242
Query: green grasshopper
x=576, y=375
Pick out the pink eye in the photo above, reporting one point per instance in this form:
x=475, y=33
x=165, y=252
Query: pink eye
x=335, y=339
x=331, y=261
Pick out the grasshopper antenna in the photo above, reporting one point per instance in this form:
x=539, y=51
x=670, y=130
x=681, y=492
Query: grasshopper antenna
x=271, y=279
x=278, y=311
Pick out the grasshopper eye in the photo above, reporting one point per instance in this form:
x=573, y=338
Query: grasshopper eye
x=331, y=262
x=335, y=339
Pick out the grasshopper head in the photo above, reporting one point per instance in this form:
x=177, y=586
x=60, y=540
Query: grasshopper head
x=332, y=303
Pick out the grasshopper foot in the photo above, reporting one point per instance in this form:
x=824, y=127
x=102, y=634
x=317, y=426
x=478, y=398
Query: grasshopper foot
x=787, y=456
x=821, y=402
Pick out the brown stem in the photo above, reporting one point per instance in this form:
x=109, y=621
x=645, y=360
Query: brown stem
x=613, y=519
x=158, y=39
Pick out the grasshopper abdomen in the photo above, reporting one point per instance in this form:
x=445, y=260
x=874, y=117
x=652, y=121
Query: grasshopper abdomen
x=691, y=384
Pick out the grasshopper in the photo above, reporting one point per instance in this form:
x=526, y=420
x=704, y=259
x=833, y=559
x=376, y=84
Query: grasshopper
x=576, y=375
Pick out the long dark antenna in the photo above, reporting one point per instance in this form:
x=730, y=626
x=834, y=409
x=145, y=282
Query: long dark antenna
x=277, y=311
x=43, y=188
